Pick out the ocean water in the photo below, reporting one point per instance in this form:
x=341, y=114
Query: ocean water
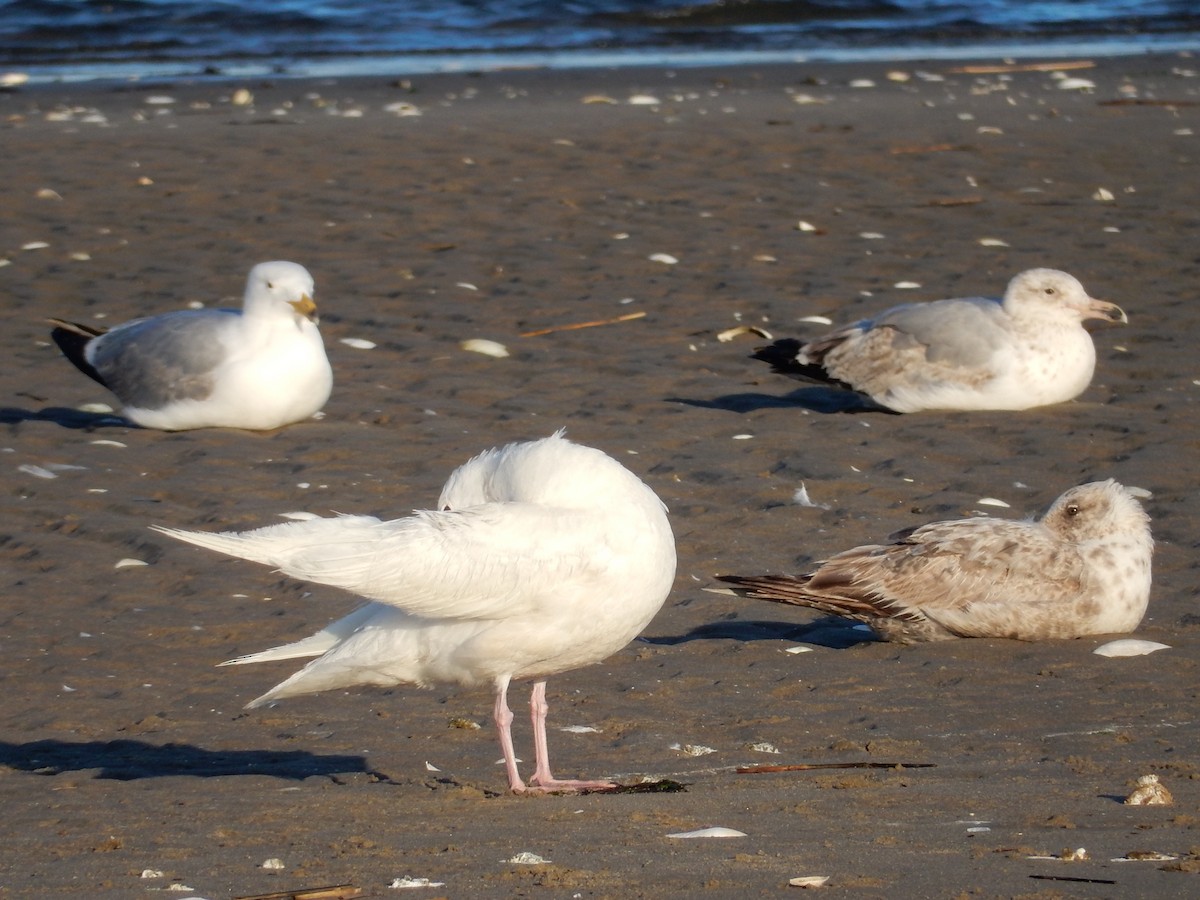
x=75, y=39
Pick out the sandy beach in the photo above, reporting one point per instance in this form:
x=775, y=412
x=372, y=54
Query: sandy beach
x=438, y=209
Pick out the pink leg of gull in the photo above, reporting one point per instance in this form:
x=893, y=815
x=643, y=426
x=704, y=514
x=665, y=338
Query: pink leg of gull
x=503, y=718
x=542, y=777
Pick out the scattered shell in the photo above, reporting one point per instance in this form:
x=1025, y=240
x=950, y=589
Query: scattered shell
x=871, y=236
x=807, y=99
x=1076, y=84
x=273, y=863
x=525, y=858
x=1129, y=647
x=36, y=471
x=180, y=887
x=643, y=100
x=298, y=516
x=1149, y=792
x=742, y=437
x=48, y=194
x=599, y=98
x=159, y=100
x=152, y=873
x=242, y=97
x=408, y=881
x=35, y=245
x=801, y=498
x=464, y=723
x=805, y=226
x=816, y=320
x=403, y=109
x=466, y=285
x=992, y=242
x=906, y=285
x=807, y=881
x=95, y=408
x=899, y=76
x=80, y=256
x=13, y=79
x=862, y=83
x=716, y=831
x=1103, y=195
x=693, y=749
x=664, y=258
x=992, y=501
x=486, y=347
x=763, y=747
x=430, y=767
x=1079, y=854
x=359, y=343
x=799, y=649
x=730, y=333
x=129, y=563
x=1144, y=856
x=577, y=729
x=108, y=443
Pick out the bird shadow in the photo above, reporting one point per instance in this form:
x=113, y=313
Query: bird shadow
x=129, y=760
x=830, y=631
x=64, y=417
x=817, y=398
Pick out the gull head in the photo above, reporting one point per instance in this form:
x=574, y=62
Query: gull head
x=272, y=284
x=1097, y=511
x=1052, y=290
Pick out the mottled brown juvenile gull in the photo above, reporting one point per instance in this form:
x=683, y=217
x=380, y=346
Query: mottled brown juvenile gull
x=1082, y=568
x=541, y=557
x=1027, y=349
x=260, y=367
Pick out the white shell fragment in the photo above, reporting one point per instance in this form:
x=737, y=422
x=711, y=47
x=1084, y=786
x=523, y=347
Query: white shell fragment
x=992, y=501
x=807, y=881
x=486, y=347
x=107, y=443
x=1149, y=792
x=693, y=749
x=1076, y=84
x=643, y=100
x=906, y=285
x=525, y=858
x=1103, y=195
x=763, y=747
x=816, y=320
x=716, y=831
x=130, y=563
x=273, y=863
x=730, y=333
x=805, y=226
x=665, y=258
x=95, y=408
x=359, y=343
x=1129, y=647
x=798, y=649
x=992, y=242
x=407, y=881
x=580, y=729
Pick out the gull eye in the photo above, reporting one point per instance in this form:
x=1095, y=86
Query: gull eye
x=1050, y=292
x=1072, y=510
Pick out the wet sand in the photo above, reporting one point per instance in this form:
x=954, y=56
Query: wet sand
x=513, y=204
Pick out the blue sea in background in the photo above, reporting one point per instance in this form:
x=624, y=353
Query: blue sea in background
x=76, y=39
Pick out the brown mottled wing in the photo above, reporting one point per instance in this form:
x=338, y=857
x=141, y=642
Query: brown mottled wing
x=974, y=577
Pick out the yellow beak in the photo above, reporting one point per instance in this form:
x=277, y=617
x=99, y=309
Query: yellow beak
x=305, y=307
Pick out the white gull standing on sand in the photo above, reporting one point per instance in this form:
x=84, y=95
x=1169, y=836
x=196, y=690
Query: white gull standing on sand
x=540, y=558
x=1027, y=349
x=1082, y=568
x=260, y=367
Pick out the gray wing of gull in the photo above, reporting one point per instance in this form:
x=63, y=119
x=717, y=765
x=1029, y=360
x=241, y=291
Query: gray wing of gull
x=151, y=363
x=962, y=332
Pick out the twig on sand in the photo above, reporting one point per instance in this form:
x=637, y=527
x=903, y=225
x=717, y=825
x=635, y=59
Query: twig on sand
x=1024, y=67
x=334, y=892
x=625, y=318
x=805, y=767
